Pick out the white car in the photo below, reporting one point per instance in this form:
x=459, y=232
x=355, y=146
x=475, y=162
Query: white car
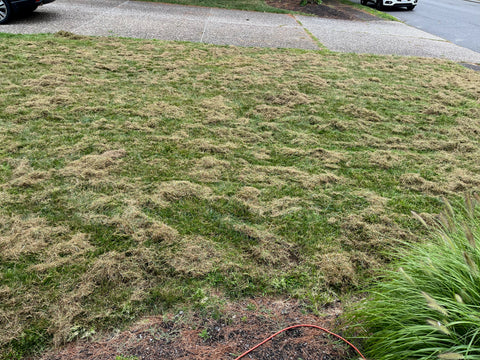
x=381, y=4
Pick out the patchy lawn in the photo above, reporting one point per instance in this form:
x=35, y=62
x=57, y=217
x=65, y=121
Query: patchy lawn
x=140, y=176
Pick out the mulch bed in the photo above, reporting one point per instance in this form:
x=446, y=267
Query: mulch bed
x=327, y=9
x=332, y=9
x=241, y=326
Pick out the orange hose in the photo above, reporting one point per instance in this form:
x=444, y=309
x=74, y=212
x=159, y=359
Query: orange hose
x=297, y=326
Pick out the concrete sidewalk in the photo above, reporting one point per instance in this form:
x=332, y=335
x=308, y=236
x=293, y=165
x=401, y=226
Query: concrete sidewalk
x=233, y=27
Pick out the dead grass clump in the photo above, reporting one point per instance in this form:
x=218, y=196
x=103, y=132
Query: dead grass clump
x=338, y=270
x=347, y=84
x=275, y=175
x=194, y=256
x=449, y=98
x=163, y=109
x=69, y=35
x=249, y=196
x=416, y=182
x=64, y=252
x=361, y=113
x=206, y=175
x=385, y=159
x=293, y=152
x=287, y=97
x=216, y=110
x=284, y=206
x=302, y=139
x=267, y=248
x=238, y=133
x=262, y=154
x=469, y=125
x=39, y=104
x=437, y=109
x=462, y=180
x=134, y=223
x=419, y=143
x=339, y=125
x=114, y=267
x=371, y=229
x=210, y=162
x=130, y=271
x=209, y=169
x=269, y=112
x=51, y=80
x=93, y=166
x=63, y=315
x=24, y=175
x=161, y=232
x=26, y=236
x=358, y=232
x=329, y=158
x=175, y=190
x=15, y=308
x=178, y=137
x=361, y=234
x=376, y=203
x=11, y=324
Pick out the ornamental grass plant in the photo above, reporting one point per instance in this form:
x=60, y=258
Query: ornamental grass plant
x=429, y=306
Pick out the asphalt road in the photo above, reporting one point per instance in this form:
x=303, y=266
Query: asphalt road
x=457, y=21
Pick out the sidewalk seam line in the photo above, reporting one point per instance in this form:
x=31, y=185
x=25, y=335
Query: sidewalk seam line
x=205, y=26
x=308, y=32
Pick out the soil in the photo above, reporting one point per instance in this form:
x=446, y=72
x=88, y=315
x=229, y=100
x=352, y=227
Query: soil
x=240, y=326
x=332, y=9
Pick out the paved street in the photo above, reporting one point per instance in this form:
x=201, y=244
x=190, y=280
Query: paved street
x=232, y=27
x=455, y=20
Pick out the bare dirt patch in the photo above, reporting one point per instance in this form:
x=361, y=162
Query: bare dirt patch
x=239, y=327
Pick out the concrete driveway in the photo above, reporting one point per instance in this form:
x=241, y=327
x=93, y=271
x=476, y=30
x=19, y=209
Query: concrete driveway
x=232, y=27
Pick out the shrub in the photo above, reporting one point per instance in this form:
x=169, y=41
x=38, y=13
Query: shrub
x=429, y=307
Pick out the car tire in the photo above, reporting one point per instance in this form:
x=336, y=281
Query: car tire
x=5, y=11
x=379, y=4
x=410, y=7
x=363, y=2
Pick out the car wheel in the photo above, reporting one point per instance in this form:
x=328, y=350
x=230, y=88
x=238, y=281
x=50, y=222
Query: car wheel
x=363, y=2
x=410, y=7
x=379, y=4
x=5, y=11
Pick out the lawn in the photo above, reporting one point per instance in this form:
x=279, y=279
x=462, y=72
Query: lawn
x=137, y=176
x=251, y=5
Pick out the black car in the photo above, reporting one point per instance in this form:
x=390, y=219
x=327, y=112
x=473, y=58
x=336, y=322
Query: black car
x=10, y=7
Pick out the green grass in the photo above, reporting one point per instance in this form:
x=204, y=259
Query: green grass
x=427, y=308
x=136, y=176
x=251, y=5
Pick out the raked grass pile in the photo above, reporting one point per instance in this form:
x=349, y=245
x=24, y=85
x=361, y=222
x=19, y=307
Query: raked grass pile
x=140, y=175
